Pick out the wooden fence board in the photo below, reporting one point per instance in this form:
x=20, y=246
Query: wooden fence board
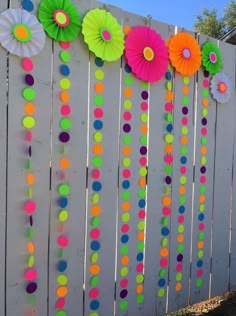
x=181, y=219
x=203, y=186
x=158, y=219
x=102, y=183
x=24, y=158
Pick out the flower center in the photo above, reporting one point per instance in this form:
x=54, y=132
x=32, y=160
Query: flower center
x=148, y=53
x=105, y=35
x=186, y=53
x=213, y=57
x=22, y=32
x=222, y=87
x=61, y=18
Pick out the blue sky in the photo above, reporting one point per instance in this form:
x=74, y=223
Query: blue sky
x=177, y=12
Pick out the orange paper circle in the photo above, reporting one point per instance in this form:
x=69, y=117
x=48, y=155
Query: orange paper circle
x=95, y=210
x=99, y=87
x=128, y=92
x=29, y=108
x=94, y=269
x=62, y=291
x=64, y=163
x=64, y=96
x=125, y=206
x=97, y=149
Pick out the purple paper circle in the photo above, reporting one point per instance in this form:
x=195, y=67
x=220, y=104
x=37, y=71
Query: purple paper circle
x=31, y=220
x=29, y=80
x=203, y=169
x=64, y=137
x=168, y=180
x=144, y=95
x=31, y=288
x=126, y=128
x=185, y=110
x=204, y=121
x=143, y=150
x=123, y=293
x=180, y=257
x=206, y=73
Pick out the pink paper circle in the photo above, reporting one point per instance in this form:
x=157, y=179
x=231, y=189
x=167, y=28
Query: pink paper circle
x=213, y=57
x=183, y=170
x=163, y=262
x=95, y=233
x=201, y=226
x=202, y=179
x=94, y=293
x=127, y=116
x=106, y=35
x=98, y=113
x=30, y=207
x=169, y=159
x=142, y=214
x=204, y=131
x=62, y=241
x=126, y=173
x=96, y=173
x=169, y=107
x=125, y=228
x=199, y=272
x=180, y=219
x=124, y=283
x=61, y=302
x=143, y=161
x=30, y=275
x=29, y=136
x=205, y=83
x=144, y=106
x=140, y=267
x=27, y=64
x=166, y=211
x=179, y=267
x=65, y=110
x=185, y=121
x=65, y=45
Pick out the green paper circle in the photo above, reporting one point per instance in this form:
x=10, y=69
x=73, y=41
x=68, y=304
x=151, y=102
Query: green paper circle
x=184, y=130
x=123, y=305
x=28, y=122
x=128, y=105
x=184, y=150
x=205, y=92
x=94, y=257
x=180, y=248
x=204, y=112
x=202, y=189
x=65, y=123
x=199, y=282
x=169, y=85
x=165, y=221
x=125, y=218
x=183, y=180
x=164, y=242
x=94, y=281
x=98, y=137
x=124, y=271
x=65, y=56
x=168, y=169
x=95, y=221
x=186, y=80
x=144, y=117
x=203, y=140
x=203, y=160
x=62, y=279
x=139, y=278
x=140, y=246
x=181, y=229
x=63, y=216
x=29, y=94
x=169, y=118
x=179, y=276
x=143, y=140
x=98, y=100
x=200, y=254
x=141, y=225
x=31, y=233
x=144, y=85
x=161, y=292
x=125, y=195
x=169, y=138
x=64, y=189
x=162, y=273
x=95, y=198
x=126, y=162
x=140, y=299
x=31, y=261
x=128, y=80
x=142, y=193
x=201, y=236
x=65, y=83
x=143, y=171
x=97, y=161
x=99, y=74
x=185, y=100
x=127, y=139
x=201, y=207
x=124, y=250
x=61, y=313
x=182, y=200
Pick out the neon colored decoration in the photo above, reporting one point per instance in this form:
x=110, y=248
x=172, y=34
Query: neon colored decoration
x=211, y=58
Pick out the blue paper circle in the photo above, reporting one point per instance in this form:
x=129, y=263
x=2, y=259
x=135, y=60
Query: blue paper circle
x=65, y=70
x=27, y=5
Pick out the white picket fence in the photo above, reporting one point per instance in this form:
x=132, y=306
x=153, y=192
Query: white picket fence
x=147, y=232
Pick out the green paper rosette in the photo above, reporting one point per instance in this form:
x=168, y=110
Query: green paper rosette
x=211, y=58
x=103, y=34
x=60, y=19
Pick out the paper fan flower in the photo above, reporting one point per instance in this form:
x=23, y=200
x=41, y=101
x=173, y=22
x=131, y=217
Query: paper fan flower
x=211, y=58
x=185, y=53
x=103, y=34
x=146, y=53
x=21, y=33
x=60, y=19
x=220, y=87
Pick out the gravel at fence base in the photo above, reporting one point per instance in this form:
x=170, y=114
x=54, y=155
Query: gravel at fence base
x=224, y=305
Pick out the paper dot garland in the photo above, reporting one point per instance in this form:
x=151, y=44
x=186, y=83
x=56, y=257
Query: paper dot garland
x=64, y=189
x=125, y=206
x=141, y=202
x=166, y=198
x=30, y=205
x=95, y=233
x=202, y=181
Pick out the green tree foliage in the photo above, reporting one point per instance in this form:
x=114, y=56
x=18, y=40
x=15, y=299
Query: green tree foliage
x=209, y=23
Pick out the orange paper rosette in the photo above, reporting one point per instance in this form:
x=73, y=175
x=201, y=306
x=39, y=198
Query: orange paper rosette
x=184, y=53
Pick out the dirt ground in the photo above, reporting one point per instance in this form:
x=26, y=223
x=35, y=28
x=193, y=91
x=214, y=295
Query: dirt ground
x=224, y=305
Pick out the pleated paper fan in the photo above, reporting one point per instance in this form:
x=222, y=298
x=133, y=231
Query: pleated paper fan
x=211, y=58
x=185, y=53
x=146, y=53
x=60, y=19
x=103, y=34
x=220, y=87
x=21, y=33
